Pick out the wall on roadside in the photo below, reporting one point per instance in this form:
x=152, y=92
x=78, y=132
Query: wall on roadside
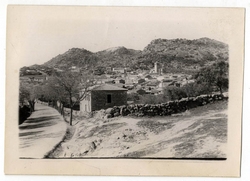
x=164, y=109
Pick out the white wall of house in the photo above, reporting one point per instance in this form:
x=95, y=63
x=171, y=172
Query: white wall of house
x=85, y=105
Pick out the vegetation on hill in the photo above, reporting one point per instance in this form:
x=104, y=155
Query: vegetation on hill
x=182, y=54
x=175, y=55
x=73, y=57
x=117, y=57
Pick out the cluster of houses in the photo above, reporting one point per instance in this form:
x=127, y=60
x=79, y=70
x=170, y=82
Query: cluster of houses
x=35, y=76
x=112, y=89
x=150, y=82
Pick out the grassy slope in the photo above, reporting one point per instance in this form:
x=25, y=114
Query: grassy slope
x=198, y=133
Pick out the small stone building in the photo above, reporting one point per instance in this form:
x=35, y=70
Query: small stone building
x=102, y=97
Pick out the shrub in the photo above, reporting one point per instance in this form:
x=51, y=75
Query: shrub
x=174, y=93
x=133, y=97
x=194, y=89
x=152, y=99
x=141, y=92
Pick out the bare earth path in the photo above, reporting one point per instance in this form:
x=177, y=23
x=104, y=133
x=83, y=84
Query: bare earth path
x=199, y=133
x=38, y=135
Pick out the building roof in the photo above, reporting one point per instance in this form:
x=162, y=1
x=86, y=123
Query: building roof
x=107, y=87
x=119, y=85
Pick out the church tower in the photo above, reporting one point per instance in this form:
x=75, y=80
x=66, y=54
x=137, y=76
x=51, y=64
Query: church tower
x=156, y=67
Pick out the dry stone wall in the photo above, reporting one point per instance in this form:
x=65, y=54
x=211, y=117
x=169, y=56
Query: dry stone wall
x=164, y=109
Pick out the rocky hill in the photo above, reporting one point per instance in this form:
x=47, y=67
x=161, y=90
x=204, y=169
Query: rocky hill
x=117, y=56
x=174, y=55
x=73, y=57
x=183, y=54
x=203, y=49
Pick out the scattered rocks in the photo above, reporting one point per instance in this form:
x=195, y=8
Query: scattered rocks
x=116, y=114
x=108, y=111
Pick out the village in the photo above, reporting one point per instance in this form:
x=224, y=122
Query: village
x=140, y=82
x=152, y=81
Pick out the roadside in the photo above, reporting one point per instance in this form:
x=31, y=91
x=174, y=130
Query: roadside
x=39, y=134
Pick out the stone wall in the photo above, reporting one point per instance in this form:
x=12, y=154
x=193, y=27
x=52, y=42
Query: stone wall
x=164, y=109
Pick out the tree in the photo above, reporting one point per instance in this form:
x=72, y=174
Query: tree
x=29, y=92
x=214, y=75
x=194, y=89
x=54, y=93
x=73, y=86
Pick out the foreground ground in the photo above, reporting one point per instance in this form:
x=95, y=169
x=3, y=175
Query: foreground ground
x=197, y=133
x=41, y=132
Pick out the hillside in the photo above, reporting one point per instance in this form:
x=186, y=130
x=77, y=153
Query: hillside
x=183, y=54
x=197, y=133
x=174, y=55
x=117, y=56
x=73, y=57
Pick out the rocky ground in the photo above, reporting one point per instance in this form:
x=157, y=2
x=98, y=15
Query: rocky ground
x=197, y=133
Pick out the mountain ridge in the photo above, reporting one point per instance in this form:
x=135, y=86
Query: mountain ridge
x=183, y=54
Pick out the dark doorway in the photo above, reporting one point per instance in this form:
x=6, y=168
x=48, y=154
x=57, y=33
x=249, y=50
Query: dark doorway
x=108, y=98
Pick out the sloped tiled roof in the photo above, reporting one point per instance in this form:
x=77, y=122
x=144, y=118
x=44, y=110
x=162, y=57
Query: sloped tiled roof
x=106, y=87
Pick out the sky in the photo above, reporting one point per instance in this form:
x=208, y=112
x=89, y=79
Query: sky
x=39, y=33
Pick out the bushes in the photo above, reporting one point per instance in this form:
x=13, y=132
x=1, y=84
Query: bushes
x=171, y=93
x=135, y=97
x=146, y=98
x=194, y=89
x=174, y=93
x=151, y=99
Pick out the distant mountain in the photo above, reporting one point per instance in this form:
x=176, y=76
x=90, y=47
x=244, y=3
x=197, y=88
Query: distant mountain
x=174, y=55
x=117, y=56
x=183, y=54
x=118, y=51
x=203, y=49
x=73, y=57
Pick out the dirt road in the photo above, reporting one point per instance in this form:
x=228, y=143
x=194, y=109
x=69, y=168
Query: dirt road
x=41, y=132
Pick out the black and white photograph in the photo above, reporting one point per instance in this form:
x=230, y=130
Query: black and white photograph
x=125, y=83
